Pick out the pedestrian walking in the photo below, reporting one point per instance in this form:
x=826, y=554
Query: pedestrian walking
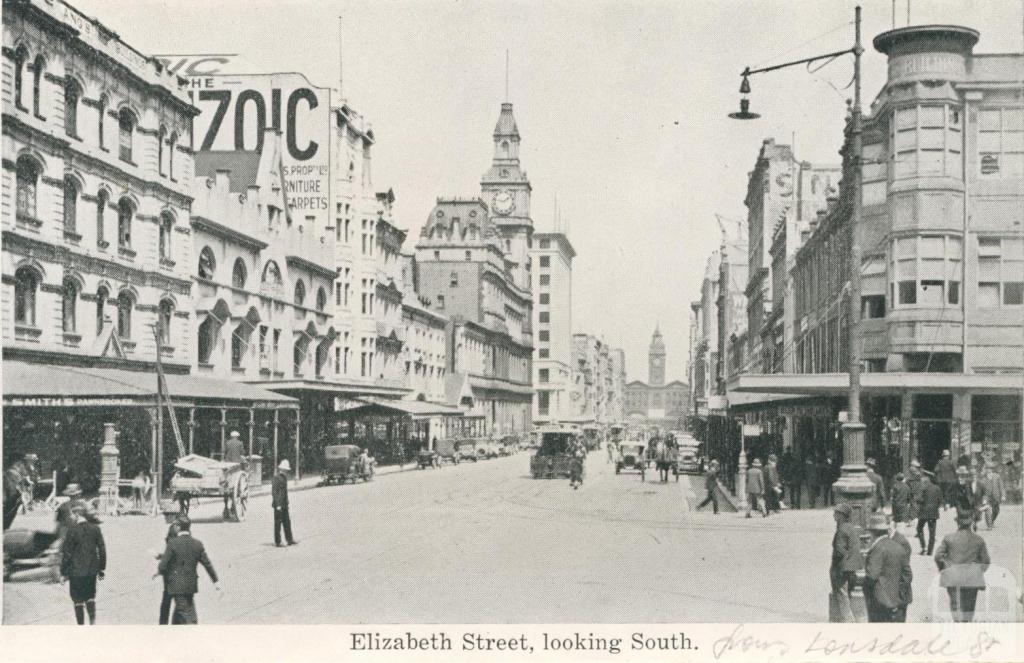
x=578, y=453
x=885, y=566
x=945, y=475
x=279, y=502
x=828, y=473
x=755, y=489
x=928, y=513
x=914, y=483
x=993, y=486
x=772, y=485
x=968, y=495
x=83, y=561
x=962, y=559
x=900, y=500
x=233, y=453
x=811, y=481
x=878, y=494
x=711, y=485
x=179, y=563
x=907, y=575
x=790, y=471
x=64, y=516
x=846, y=561
x=14, y=477
x=165, y=599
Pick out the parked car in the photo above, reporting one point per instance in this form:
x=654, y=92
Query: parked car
x=553, y=457
x=466, y=450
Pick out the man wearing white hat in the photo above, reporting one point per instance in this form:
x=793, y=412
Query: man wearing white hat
x=279, y=500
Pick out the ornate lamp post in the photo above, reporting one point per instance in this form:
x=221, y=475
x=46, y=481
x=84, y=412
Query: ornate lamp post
x=853, y=486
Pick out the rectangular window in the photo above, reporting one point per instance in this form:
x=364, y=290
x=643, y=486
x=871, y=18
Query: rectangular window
x=454, y=280
x=545, y=298
x=545, y=243
x=545, y=316
x=337, y=294
x=954, y=292
x=907, y=292
x=545, y=261
x=1013, y=293
x=931, y=293
x=545, y=279
x=440, y=301
x=543, y=402
x=873, y=306
x=544, y=353
x=1001, y=142
x=543, y=375
x=544, y=336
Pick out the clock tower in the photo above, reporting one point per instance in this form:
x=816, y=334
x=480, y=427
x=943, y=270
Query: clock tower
x=656, y=360
x=506, y=190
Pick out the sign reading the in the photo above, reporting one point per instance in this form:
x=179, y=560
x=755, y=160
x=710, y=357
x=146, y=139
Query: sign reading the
x=235, y=110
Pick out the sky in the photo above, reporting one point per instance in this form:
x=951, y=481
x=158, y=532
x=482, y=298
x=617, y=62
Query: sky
x=622, y=107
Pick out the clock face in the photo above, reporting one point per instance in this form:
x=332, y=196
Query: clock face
x=503, y=202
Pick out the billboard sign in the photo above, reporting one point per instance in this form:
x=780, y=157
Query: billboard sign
x=235, y=109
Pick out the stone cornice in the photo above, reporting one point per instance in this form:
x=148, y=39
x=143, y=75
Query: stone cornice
x=201, y=223
x=308, y=265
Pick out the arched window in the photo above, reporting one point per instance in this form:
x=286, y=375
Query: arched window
x=71, y=96
x=238, y=273
x=26, y=282
x=166, y=315
x=102, y=114
x=20, y=55
x=504, y=147
x=70, y=205
x=160, y=136
x=37, y=76
x=69, y=304
x=125, y=212
x=300, y=293
x=27, y=184
x=321, y=299
x=126, y=133
x=124, y=315
x=170, y=155
x=101, y=305
x=102, y=200
x=166, y=228
x=207, y=264
x=271, y=274
x=207, y=339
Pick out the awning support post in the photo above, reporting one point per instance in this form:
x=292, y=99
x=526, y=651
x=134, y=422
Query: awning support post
x=276, y=421
x=223, y=426
x=191, y=429
x=298, y=437
x=252, y=427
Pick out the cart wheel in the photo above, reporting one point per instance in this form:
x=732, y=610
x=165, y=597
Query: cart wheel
x=240, y=498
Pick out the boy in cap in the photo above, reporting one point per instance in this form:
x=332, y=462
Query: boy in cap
x=846, y=560
x=83, y=560
x=962, y=559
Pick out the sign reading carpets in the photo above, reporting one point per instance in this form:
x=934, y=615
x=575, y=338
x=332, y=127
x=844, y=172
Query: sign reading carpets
x=235, y=110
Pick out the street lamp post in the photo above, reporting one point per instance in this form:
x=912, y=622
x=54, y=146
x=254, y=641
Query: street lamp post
x=853, y=486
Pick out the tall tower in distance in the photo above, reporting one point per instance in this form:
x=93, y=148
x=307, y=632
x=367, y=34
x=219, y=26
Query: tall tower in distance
x=656, y=360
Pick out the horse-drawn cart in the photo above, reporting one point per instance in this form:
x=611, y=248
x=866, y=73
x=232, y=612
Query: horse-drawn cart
x=198, y=476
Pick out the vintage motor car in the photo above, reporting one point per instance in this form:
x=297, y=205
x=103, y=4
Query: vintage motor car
x=427, y=458
x=689, y=459
x=466, y=450
x=446, y=449
x=342, y=463
x=631, y=457
x=553, y=457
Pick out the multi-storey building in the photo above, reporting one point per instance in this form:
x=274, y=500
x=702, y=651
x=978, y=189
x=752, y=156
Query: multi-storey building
x=617, y=397
x=704, y=354
x=942, y=252
x=551, y=259
x=425, y=349
x=655, y=401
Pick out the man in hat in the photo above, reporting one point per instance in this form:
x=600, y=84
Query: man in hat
x=886, y=566
x=772, y=484
x=900, y=500
x=962, y=559
x=83, y=560
x=945, y=475
x=993, y=486
x=846, y=560
x=790, y=471
x=165, y=600
x=279, y=501
x=755, y=489
x=878, y=494
x=969, y=494
x=178, y=565
x=233, y=453
x=14, y=477
x=711, y=484
x=64, y=518
x=907, y=575
x=928, y=512
x=914, y=484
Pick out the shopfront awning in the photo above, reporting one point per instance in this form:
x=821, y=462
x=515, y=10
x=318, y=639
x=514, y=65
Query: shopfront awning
x=416, y=409
x=837, y=384
x=45, y=385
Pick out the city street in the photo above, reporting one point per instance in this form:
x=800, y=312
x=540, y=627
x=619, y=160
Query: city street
x=486, y=543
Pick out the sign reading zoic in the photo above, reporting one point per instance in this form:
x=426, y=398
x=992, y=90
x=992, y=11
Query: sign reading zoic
x=235, y=110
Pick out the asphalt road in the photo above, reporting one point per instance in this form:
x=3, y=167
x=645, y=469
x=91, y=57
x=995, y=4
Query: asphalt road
x=478, y=543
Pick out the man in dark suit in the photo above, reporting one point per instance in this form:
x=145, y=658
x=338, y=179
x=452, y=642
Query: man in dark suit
x=279, y=501
x=928, y=513
x=962, y=559
x=178, y=565
x=233, y=453
x=811, y=481
x=907, y=574
x=969, y=494
x=900, y=500
x=711, y=485
x=83, y=560
x=165, y=600
x=14, y=478
x=884, y=572
x=878, y=496
x=846, y=560
x=945, y=475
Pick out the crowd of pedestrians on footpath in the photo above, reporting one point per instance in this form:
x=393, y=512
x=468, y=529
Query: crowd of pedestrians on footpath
x=962, y=556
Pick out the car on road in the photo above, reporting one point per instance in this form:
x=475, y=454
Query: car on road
x=689, y=456
x=554, y=455
x=466, y=450
x=631, y=456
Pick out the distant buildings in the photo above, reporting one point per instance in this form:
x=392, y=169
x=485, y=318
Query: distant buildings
x=551, y=259
x=654, y=401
